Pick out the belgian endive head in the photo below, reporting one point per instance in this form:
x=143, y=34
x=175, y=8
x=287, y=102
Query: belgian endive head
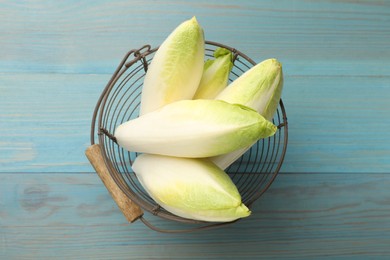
x=176, y=68
x=190, y=188
x=194, y=128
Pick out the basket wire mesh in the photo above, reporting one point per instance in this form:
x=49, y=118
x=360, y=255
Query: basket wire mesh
x=253, y=173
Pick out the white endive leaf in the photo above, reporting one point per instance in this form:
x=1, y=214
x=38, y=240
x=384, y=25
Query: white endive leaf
x=176, y=68
x=215, y=74
x=259, y=88
x=190, y=188
x=194, y=128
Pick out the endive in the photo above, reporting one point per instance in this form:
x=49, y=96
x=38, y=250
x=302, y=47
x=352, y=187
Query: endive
x=176, y=68
x=215, y=74
x=190, y=188
x=194, y=128
x=259, y=88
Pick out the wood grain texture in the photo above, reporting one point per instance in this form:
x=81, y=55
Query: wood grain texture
x=336, y=123
x=332, y=198
x=303, y=216
x=56, y=59
x=90, y=36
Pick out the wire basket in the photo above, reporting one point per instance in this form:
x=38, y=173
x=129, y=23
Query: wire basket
x=253, y=173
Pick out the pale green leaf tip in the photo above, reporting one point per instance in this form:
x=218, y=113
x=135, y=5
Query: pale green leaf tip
x=207, y=64
x=273, y=62
x=270, y=128
x=193, y=19
x=274, y=128
x=243, y=211
x=221, y=52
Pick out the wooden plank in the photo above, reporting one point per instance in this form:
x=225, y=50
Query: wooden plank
x=302, y=216
x=336, y=123
x=89, y=36
x=56, y=57
x=45, y=120
x=335, y=58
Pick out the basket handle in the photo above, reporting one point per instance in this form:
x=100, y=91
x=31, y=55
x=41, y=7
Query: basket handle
x=129, y=209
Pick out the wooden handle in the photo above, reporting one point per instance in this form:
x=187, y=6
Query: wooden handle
x=131, y=210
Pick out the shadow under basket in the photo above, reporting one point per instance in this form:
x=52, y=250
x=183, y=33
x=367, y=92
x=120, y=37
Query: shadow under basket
x=253, y=173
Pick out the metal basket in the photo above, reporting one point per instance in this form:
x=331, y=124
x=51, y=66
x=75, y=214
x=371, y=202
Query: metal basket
x=253, y=173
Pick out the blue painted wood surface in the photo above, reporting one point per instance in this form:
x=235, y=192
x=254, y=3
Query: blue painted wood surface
x=331, y=199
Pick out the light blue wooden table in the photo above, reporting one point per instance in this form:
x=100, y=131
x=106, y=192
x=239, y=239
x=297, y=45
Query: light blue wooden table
x=332, y=197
